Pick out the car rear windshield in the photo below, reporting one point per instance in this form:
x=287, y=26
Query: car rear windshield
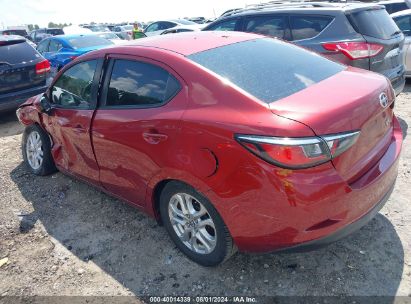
x=268, y=69
x=374, y=23
x=15, y=32
x=88, y=41
x=15, y=53
x=55, y=32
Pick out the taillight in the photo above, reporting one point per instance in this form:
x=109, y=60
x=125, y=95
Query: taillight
x=73, y=57
x=298, y=153
x=355, y=50
x=43, y=67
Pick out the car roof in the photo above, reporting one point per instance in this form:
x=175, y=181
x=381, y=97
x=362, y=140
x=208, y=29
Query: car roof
x=401, y=13
x=301, y=6
x=192, y=42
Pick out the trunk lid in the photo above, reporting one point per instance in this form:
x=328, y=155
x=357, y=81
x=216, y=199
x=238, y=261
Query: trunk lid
x=18, y=66
x=348, y=101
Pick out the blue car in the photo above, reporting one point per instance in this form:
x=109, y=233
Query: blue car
x=62, y=49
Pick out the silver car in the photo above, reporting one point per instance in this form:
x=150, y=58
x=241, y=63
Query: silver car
x=158, y=27
x=403, y=20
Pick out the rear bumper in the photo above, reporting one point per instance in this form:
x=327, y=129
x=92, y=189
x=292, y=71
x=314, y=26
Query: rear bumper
x=343, y=232
x=11, y=101
x=303, y=209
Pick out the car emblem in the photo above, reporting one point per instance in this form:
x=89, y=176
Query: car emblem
x=383, y=100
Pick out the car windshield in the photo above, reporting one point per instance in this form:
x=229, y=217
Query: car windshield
x=15, y=32
x=98, y=28
x=55, y=32
x=127, y=28
x=268, y=69
x=186, y=22
x=16, y=52
x=87, y=41
x=108, y=35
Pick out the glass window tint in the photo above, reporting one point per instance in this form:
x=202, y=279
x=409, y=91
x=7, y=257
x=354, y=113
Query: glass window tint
x=374, y=23
x=73, y=88
x=42, y=47
x=404, y=23
x=17, y=53
x=268, y=68
x=88, y=41
x=225, y=26
x=273, y=26
x=136, y=83
x=54, y=46
x=305, y=27
x=154, y=27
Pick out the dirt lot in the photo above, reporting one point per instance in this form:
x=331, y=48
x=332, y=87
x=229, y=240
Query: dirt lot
x=62, y=237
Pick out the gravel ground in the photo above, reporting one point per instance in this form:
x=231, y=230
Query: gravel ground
x=62, y=237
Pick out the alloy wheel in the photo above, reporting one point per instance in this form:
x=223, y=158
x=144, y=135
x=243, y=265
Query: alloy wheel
x=34, y=150
x=192, y=223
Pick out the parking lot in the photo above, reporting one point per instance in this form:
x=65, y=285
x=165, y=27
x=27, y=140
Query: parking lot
x=60, y=236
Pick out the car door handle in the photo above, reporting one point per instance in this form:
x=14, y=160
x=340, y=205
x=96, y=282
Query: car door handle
x=154, y=138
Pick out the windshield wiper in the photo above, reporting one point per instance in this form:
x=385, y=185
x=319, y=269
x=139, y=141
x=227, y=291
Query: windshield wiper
x=396, y=33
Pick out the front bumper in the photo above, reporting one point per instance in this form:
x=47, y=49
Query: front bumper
x=12, y=101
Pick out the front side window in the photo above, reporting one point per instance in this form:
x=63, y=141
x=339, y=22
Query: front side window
x=273, y=26
x=153, y=27
x=43, y=47
x=73, y=88
x=306, y=27
x=229, y=25
x=140, y=84
x=54, y=46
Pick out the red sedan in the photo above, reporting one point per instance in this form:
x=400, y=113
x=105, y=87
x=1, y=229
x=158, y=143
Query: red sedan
x=230, y=140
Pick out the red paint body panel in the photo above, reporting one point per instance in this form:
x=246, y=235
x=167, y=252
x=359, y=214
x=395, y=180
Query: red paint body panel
x=264, y=207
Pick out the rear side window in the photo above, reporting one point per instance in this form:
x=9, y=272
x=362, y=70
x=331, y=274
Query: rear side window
x=306, y=27
x=273, y=26
x=140, y=84
x=404, y=23
x=73, y=88
x=374, y=23
x=229, y=25
x=268, y=69
x=15, y=53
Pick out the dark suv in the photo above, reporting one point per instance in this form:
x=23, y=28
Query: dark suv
x=23, y=72
x=356, y=34
x=38, y=35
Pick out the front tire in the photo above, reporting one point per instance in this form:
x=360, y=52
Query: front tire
x=195, y=225
x=36, y=149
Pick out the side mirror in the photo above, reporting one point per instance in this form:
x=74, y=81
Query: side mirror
x=45, y=106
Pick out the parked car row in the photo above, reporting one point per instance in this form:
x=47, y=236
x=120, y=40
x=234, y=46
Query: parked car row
x=356, y=34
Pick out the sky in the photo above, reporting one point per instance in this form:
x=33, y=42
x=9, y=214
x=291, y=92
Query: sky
x=41, y=12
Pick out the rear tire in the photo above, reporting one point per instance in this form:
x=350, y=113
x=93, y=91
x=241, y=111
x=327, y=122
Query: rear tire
x=36, y=149
x=195, y=225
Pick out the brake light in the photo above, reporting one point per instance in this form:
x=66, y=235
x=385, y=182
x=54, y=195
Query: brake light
x=355, y=50
x=298, y=153
x=73, y=57
x=43, y=67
